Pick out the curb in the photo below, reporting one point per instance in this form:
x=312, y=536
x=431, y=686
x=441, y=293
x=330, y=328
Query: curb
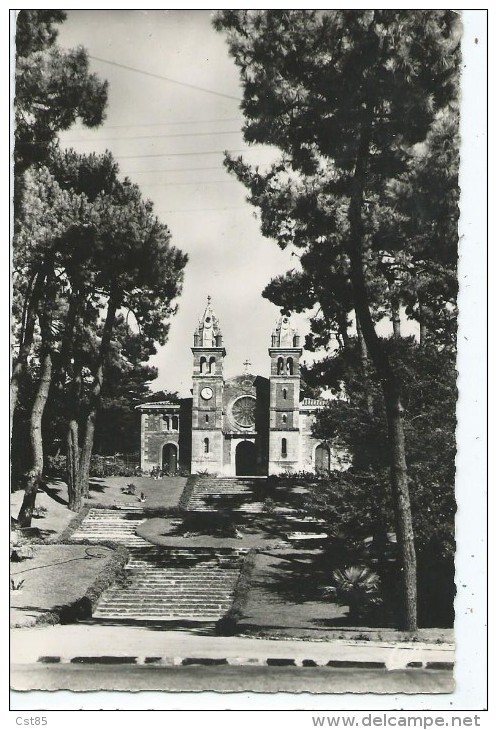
x=176, y=661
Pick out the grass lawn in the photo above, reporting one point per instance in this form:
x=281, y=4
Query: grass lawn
x=285, y=601
x=49, y=525
x=106, y=492
x=285, y=594
x=166, y=531
x=160, y=493
x=57, y=576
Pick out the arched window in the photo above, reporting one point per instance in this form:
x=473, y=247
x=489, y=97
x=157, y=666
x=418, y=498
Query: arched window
x=206, y=446
x=285, y=393
x=203, y=364
x=322, y=459
x=289, y=366
x=281, y=366
x=283, y=448
x=175, y=420
x=212, y=365
x=166, y=422
x=284, y=418
x=207, y=418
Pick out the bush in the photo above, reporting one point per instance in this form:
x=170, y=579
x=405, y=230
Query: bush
x=100, y=466
x=103, y=466
x=21, y=552
x=358, y=588
x=55, y=466
x=227, y=624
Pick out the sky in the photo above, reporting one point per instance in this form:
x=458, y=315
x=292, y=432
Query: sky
x=169, y=139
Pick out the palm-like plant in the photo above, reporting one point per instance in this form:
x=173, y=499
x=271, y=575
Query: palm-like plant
x=357, y=587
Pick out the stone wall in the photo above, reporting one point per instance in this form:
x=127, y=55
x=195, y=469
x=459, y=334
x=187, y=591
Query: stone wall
x=211, y=460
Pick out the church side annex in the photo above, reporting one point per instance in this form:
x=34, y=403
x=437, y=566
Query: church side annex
x=247, y=425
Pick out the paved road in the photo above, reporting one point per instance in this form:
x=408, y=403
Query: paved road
x=74, y=640
x=229, y=679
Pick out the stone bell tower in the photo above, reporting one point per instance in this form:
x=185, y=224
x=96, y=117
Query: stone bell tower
x=208, y=384
x=284, y=397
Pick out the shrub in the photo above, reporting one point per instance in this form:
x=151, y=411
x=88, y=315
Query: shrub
x=227, y=624
x=269, y=505
x=356, y=587
x=55, y=466
x=21, y=552
x=103, y=466
x=129, y=489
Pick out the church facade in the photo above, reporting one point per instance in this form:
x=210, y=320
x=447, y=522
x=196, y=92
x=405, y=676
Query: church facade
x=241, y=426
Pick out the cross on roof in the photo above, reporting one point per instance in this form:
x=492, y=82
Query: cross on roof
x=247, y=364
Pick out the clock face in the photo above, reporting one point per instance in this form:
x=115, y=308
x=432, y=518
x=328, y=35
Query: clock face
x=243, y=411
x=206, y=393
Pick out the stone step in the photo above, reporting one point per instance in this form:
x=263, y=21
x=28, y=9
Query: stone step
x=255, y=508
x=163, y=615
x=207, y=491
x=118, y=602
x=111, y=525
x=158, y=585
x=116, y=598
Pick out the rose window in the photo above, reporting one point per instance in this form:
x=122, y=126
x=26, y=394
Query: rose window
x=243, y=411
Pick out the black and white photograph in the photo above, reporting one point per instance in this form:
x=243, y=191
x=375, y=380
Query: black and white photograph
x=242, y=266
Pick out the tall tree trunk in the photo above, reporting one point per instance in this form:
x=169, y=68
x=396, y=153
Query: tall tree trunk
x=395, y=308
x=422, y=323
x=96, y=396
x=368, y=396
x=35, y=474
x=389, y=383
x=72, y=466
x=33, y=297
x=74, y=491
x=67, y=342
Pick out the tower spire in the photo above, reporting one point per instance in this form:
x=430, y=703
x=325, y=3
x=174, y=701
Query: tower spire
x=208, y=332
x=284, y=335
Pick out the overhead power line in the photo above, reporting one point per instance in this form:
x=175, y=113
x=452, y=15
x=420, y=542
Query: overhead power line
x=179, y=154
x=191, y=182
x=172, y=124
x=200, y=210
x=154, y=136
x=172, y=169
x=164, y=78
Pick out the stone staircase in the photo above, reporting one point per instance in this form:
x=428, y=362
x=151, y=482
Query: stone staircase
x=173, y=584
x=161, y=583
x=116, y=525
x=211, y=493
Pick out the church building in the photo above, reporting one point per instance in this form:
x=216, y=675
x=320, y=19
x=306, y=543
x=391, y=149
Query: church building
x=247, y=425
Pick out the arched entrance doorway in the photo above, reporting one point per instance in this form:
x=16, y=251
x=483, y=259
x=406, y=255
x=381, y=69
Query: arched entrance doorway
x=245, y=459
x=322, y=459
x=170, y=458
